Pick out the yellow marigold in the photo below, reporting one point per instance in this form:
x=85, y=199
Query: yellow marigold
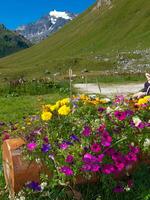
x=64, y=110
x=46, y=108
x=46, y=116
x=54, y=107
x=147, y=98
x=64, y=101
x=142, y=101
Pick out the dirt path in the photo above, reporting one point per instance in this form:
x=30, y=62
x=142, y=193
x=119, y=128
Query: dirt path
x=109, y=89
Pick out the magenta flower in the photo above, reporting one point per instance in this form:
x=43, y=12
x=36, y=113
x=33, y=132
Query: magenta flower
x=86, y=131
x=67, y=170
x=63, y=145
x=31, y=146
x=95, y=148
x=133, y=149
x=100, y=157
x=101, y=128
x=131, y=157
x=45, y=139
x=141, y=125
x=69, y=159
x=118, y=189
x=86, y=167
x=87, y=157
x=120, y=166
x=130, y=183
x=6, y=136
x=106, y=139
x=120, y=115
x=108, y=169
x=95, y=167
x=119, y=99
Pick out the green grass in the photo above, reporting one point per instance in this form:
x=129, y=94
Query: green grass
x=103, y=32
x=15, y=108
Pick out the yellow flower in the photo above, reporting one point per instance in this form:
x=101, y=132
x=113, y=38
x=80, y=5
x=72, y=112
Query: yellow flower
x=64, y=101
x=46, y=108
x=54, y=107
x=147, y=98
x=46, y=116
x=64, y=110
x=142, y=101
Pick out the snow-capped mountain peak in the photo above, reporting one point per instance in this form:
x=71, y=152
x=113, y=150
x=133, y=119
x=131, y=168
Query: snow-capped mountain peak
x=58, y=14
x=45, y=26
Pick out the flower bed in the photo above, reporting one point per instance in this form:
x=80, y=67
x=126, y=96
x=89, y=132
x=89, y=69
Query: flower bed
x=85, y=137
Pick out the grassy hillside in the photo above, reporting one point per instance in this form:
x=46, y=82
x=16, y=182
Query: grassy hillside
x=100, y=32
x=11, y=42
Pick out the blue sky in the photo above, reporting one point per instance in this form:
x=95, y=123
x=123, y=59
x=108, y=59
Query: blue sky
x=18, y=12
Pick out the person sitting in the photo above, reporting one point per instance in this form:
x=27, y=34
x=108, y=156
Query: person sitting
x=146, y=90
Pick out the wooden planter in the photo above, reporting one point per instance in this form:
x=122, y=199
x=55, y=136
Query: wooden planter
x=18, y=171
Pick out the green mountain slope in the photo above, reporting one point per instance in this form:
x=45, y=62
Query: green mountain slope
x=123, y=26
x=11, y=42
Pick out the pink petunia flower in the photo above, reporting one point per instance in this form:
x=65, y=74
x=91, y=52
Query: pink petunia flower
x=31, y=146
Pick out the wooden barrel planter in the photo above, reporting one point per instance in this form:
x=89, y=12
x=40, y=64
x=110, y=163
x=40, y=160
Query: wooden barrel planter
x=18, y=171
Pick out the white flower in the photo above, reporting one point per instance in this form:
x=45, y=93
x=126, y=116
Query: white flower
x=109, y=110
x=136, y=120
x=43, y=185
x=147, y=142
x=38, y=160
x=22, y=198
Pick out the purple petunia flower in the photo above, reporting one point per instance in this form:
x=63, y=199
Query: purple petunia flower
x=118, y=189
x=95, y=148
x=45, y=148
x=87, y=157
x=100, y=157
x=120, y=115
x=101, y=109
x=131, y=157
x=6, y=136
x=69, y=159
x=129, y=112
x=130, y=183
x=108, y=169
x=134, y=149
x=74, y=138
x=106, y=139
x=95, y=167
x=63, y=145
x=86, y=131
x=34, y=186
x=101, y=128
x=86, y=167
x=67, y=170
x=141, y=125
x=45, y=139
